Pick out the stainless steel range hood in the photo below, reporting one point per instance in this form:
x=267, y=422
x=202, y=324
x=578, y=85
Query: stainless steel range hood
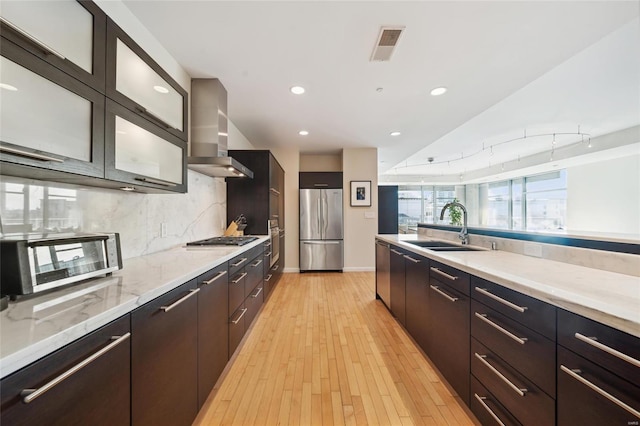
x=209, y=131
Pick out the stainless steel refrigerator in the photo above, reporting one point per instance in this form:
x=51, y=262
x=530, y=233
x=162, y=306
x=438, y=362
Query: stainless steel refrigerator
x=321, y=231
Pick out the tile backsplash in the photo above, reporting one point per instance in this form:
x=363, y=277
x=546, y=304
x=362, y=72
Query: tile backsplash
x=32, y=206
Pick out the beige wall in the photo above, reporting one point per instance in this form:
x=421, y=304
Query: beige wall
x=320, y=163
x=360, y=223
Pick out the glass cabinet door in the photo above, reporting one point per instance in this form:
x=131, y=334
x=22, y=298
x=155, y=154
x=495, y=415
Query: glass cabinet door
x=137, y=82
x=141, y=154
x=48, y=119
x=68, y=34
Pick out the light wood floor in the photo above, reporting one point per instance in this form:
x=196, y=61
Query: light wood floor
x=323, y=351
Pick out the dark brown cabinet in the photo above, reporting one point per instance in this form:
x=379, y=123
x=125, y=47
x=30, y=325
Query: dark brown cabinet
x=398, y=286
x=95, y=391
x=213, y=329
x=164, y=359
x=417, y=299
x=320, y=180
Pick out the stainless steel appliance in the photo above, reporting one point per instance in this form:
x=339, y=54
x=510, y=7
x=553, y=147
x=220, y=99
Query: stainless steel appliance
x=321, y=230
x=274, y=239
x=32, y=263
x=223, y=241
x=383, y=272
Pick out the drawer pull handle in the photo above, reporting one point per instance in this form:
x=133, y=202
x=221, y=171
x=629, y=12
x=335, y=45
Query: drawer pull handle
x=483, y=317
x=489, y=410
x=32, y=39
x=257, y=293
x=501, y=300
x=179, y=301
x=237, y=280
x=220, y=274
x=411, y=259
x=156, y=181
x=256, y=263
x=437, y=289
x=509, y=383
x=268, y=278
x=267, y=244
x=380, y=243
x=275, y=191
x=29, y=395
x=275, y=268
x=444, y=274
x=244, y=311
x=320, y=184
x=32, y=155
x=575, y=373
x=592, y=341
x=239, y=262
x=268, y=254
x=399, y=253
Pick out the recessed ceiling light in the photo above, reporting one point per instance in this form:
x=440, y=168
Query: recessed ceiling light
x=160, y=89
x=395, y=133
x=297, y=90
x=438, y=91
x=8, y=87
x=303, y=133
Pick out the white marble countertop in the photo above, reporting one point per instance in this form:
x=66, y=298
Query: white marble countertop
x=610, y=298
x=38, y=325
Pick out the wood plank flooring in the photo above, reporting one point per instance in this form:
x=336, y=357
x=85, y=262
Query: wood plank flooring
x=323, y=351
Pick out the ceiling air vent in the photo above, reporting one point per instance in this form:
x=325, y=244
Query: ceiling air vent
x=387, y=41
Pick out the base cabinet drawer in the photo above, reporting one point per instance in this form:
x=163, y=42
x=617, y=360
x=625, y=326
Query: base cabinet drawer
x=236, y=328
x=96, y=394
x=487, y=408
x=236, y=290
x=253, y=304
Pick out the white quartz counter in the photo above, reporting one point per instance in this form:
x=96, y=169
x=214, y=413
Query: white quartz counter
x=36, y=326
x=610, y=298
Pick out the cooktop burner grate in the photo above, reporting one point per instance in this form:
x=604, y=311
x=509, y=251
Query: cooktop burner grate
x=223, y=241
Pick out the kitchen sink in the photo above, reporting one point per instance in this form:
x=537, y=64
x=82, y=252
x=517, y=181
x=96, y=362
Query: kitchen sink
x=454, y=248
x=442, y=246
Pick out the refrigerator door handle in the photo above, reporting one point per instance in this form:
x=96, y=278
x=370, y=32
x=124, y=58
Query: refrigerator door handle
x=320, y=242
x=319, y=209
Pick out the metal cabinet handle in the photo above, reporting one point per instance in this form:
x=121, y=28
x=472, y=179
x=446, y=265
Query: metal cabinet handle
x=320, y=184
x=592, y=341
x=155, y=118
x=444, y=274
x=399, y=253
x=275, y=268
x=32, y=155
x=489, y=410
x=179, y=301
x=482, y=358
x=237, y=280
x=500, y=299
x=33, y=39
x=244, y=311
x=267, y=244
x=239, y=262
x=156, y=181
x=437, y=289
x=267, y=254
x=380, y=243
x=220, y=274
x=268, y=278
x=411, y=259
x=257, y=293
x=575, y=373
x=29, y=395
x=483, y=317
x=275, y=191
x=256, y=263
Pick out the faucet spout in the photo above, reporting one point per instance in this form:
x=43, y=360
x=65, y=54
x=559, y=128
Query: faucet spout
x=464, y=234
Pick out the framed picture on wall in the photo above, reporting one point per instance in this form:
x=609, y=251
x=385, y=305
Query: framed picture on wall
x=360, y=193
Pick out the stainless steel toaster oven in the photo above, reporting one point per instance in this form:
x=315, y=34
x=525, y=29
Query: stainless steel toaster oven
x=34, y=263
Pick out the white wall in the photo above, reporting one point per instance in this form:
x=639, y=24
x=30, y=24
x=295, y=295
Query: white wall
x=320, y=163
x=605, y=196
x=359, y=231
x=236, y=140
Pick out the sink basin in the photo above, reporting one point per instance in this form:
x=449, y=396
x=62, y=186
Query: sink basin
x=454, y=248
x=432, y=244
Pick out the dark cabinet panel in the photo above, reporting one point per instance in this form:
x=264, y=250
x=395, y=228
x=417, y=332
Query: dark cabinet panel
x=450, y=276
x=236, y=328
x=96, y=394
x=417, y=298
x=236, y=289
x=253, y=303
x=321, y=180
x=213, y=329
x=398, y=286
x=487, y=408
x=164, y=359
x=255, y=275
x=388, y=209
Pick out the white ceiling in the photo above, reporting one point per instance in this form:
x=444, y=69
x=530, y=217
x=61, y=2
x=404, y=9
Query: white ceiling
x=484, y=52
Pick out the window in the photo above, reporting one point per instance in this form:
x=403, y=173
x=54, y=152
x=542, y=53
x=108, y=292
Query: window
x=422, y=204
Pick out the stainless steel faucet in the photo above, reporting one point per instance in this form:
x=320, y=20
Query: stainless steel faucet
x=464, y=235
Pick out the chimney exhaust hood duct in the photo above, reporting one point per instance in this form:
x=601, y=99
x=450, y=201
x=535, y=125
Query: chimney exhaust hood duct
x=209, y=131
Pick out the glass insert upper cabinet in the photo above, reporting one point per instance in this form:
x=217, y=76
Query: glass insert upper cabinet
x=48, y=119
x=140, y=153
x=137, y=82
x=69, y=35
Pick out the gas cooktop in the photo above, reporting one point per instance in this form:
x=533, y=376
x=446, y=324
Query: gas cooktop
x=223, y=241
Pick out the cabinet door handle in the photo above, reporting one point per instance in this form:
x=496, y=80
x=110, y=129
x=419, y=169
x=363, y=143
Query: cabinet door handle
x=592, y=341
x=275, y=268
x=32, y=39
x=179, y=301
x=575, y=373
x=411, y=259
x=244, y=311
x=501, y=300
x=257, y=293
x=275, y=191
x=268, y=278
x=267, y=244
x=29, y=395
x=444, y=274
x=267, y=254
x=483, y=317
x=237, y=280
x=256, y=263
x=380, y=243
x=437, y=289
x=220, y=274
x=155, y=181
x=399, y=253
x=489, y=410
x=239, y=262
x=482, y=358
x=32, y=155
x=154, y=117
x=320, y=184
